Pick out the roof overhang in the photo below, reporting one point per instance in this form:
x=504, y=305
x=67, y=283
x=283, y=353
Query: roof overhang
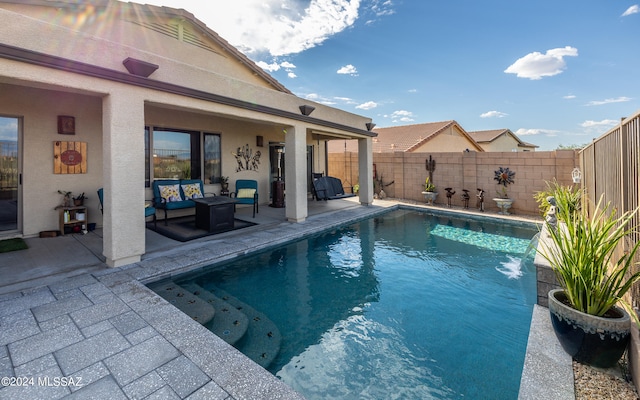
x=67, y=65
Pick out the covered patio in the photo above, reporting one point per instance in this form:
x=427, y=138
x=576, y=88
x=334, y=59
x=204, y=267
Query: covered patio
x=127, y=102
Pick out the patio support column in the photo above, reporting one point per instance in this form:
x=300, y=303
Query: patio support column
x=365, y=169
x=296, y=173
x=123, y=178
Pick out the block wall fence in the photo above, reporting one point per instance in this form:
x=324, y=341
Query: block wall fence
x=403, y=174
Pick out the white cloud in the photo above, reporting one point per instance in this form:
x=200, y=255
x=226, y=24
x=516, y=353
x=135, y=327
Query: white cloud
x=274, y=27
x=413, y=90
x=634, y=9
x=607, y=123
x=268, y=67
x=348, y=70
x=493, y=114
x=537, y=65
x=534, y=132
x=569, y=96
x=292, y=75
x=347, y=100
x=401, y=116
x=287, y=64
x=367, y=106
x=608, y=101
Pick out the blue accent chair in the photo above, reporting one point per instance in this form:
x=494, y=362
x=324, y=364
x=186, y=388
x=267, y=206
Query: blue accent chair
x=246, y=193
x=149, y=211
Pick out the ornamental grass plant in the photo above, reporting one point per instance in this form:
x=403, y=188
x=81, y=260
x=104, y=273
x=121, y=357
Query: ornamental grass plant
x=583, y=255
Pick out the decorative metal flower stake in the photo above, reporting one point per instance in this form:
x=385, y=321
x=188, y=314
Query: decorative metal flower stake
x=504, y=176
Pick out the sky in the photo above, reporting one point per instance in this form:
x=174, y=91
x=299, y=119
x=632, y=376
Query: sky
x=556, y=73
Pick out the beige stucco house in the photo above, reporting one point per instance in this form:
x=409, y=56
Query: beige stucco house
x=444, y=136
x=133, y=87
x=501, y=140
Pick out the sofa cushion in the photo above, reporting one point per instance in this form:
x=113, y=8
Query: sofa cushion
x=192, y=191
x=170, y=193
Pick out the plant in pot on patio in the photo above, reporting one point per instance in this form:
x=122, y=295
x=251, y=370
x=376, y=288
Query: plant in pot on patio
x=505, y=177
x=594, y=277
x=224, y=183
x=429, y=192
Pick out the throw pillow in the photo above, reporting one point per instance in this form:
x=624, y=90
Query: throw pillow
x=170, y=193
x=245, y=193
x=192, y=191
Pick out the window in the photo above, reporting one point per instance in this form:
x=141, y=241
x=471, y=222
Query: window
x=177, y=154
x=212, y=158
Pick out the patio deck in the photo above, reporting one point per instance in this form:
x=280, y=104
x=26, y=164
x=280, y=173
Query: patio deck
x=64, y=313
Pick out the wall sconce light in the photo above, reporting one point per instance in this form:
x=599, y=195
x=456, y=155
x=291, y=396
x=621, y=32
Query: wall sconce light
x=259, y=141
x=306, y=110
x=370, y=125
x=139, y=67
x=576, y=175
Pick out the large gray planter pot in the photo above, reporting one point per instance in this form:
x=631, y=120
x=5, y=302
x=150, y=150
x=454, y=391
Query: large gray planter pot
x=591, y=340
x=430, y=197
x=503, y=204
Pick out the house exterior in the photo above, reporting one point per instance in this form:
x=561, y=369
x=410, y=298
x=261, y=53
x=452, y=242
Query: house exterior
x=135, y=93
x=434, y=137
x=501, y=140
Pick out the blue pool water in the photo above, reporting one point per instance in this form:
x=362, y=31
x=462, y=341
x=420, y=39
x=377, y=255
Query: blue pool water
x=405, y=305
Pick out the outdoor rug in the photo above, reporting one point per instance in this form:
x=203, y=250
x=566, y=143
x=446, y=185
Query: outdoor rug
x=8, y=245
x=184, y=229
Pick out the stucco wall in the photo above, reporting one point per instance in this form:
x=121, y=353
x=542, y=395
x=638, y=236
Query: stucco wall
x=38, y=110
x=452, y=140
x=504, y=143
x=462, y=170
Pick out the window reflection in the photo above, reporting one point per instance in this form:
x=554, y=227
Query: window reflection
x=171, y=155
x=176, y=154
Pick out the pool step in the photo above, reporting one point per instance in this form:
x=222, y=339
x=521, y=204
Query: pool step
x=262, y=340
x=185, y=301
x=229, y=323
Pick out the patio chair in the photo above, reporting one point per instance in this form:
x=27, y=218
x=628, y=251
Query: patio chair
x=314, y=177
x=149, y=210
x=329, y=188
x=246, y=193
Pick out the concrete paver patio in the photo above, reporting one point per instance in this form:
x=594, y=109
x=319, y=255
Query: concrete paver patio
x=72, y=327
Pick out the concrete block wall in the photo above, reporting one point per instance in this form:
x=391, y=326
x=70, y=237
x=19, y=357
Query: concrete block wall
x=462, y=170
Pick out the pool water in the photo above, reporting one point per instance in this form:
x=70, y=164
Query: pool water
x=406, y=305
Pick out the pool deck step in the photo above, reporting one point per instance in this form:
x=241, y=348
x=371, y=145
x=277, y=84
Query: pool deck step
x=185, y=301
x=229, y=323
x=263, y=339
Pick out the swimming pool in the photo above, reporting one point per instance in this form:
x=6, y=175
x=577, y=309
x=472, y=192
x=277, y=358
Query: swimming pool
x=404, y=305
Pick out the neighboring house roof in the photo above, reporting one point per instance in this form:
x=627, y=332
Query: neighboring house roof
x=492, y=135
x=405, y=138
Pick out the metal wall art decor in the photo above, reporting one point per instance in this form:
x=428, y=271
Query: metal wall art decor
x=246, y=160
x=504, y=176
x=66, y=125
x=69, y=157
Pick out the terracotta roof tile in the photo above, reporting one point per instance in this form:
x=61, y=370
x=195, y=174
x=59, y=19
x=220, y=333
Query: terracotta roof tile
x=402, y=138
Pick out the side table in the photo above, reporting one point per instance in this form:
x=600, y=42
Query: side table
x=72, y=217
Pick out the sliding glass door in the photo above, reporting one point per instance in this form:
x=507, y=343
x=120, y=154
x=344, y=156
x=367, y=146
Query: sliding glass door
x=9, y=174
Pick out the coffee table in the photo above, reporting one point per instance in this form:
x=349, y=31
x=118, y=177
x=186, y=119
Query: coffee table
x=215, y=213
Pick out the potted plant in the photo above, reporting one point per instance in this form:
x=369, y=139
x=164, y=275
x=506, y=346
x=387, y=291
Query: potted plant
x=79, y=200
x=504, y=177
x=594, y=277
x=66, y=198
x=224, y=183
x=429, y=192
